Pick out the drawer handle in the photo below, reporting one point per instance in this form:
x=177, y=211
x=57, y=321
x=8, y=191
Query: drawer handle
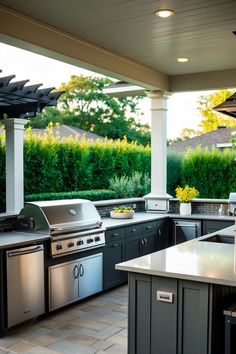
x=148, y=227
x=115, y=245
x=115, y=235
x=165, y=296
x=133, y=230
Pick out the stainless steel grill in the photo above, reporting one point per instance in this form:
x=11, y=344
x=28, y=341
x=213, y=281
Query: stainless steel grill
x=74, y=225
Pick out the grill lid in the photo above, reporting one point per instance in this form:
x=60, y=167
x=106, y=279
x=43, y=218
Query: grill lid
x=60, y=216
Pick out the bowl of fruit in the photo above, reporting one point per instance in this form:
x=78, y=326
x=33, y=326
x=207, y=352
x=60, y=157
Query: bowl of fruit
x=122, y=212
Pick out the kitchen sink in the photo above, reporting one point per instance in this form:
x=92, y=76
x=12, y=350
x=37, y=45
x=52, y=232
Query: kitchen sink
x=220, y=239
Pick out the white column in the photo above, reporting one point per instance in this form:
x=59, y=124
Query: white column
x=14, y=164
x=158, y=198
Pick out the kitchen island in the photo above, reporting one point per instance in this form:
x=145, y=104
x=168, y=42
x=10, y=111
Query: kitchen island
x=177, y=296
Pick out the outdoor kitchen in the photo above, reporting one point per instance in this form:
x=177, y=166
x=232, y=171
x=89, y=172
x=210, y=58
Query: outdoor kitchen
x=136, y=275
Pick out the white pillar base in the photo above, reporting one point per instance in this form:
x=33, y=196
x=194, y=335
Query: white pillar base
x=157, y=202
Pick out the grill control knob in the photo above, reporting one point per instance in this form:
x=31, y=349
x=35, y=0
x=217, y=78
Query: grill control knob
x=89, y=240
x=58, y=247
x=97, y=238
x=70, y=244
x=80, y=242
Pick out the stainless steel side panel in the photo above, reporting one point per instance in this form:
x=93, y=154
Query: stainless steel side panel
x=25, y=284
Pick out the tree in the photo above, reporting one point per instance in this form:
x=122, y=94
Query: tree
x=212, y=119
x=84, y=105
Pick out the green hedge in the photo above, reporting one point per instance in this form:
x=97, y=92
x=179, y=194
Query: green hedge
x=174, y=164
x=69, y=165
x=213, y=173
x=99, y=194
x=53, y=166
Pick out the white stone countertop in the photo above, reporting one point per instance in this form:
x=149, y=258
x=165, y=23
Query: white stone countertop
x=195, y=260
x=152, y=216
x=16, y=238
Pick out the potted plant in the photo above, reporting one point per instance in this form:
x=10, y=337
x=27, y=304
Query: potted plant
x=185, y=196
x=122, y=212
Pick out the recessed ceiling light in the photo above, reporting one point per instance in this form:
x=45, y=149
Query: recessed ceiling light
x=164, y=13
x=183, y=60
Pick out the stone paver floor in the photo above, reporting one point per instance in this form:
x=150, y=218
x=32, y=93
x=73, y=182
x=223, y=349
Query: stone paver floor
x=98, y=325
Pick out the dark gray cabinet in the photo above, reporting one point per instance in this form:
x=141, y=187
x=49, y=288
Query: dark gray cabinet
x=163, y=234
x=193, y=317
x=164, y=316
x=210, y=226
x=113, y=254
x=139, y=329
x=129, y=242
x=168, y=316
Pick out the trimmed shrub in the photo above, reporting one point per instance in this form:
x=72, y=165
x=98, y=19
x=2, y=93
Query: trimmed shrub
x=99, y=194
x=136, y=185
x=174, y=169
x=212, y=173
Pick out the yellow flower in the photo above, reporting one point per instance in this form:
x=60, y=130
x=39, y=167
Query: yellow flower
x=186, y=194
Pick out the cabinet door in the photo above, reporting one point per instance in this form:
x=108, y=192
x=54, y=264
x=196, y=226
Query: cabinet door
x=210, y=226
x=163, y=237
x=193, y=317
x=90, y=275
x=114, y=253
x=164, y=316
x=63, y=284
x=134, y=247
x=148, y=243
x=139, y=329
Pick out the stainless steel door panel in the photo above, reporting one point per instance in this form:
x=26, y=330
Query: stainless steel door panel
x=25, y=284
x=90, y=275
x=63, y=284
x=186, y=230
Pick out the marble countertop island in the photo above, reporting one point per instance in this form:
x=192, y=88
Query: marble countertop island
x=197, y=260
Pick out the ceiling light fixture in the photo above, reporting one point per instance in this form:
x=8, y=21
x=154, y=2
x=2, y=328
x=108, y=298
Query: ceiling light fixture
x=183, y=60
x=164, y=13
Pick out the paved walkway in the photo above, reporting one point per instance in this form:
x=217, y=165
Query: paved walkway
x=98, y=325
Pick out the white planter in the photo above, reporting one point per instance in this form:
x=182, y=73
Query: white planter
x=185, y=209
x=128, y=215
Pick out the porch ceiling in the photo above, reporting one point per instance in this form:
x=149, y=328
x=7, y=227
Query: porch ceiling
x=127, y=33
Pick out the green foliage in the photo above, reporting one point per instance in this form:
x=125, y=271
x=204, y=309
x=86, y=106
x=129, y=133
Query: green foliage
x=68, y=165
x=173, y=172
x=137, y=185
x=94, y=194
x=212, y=119
x=212, y=173
x=85, y=106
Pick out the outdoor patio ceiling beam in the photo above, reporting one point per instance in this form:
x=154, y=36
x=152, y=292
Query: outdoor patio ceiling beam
x=28, y=33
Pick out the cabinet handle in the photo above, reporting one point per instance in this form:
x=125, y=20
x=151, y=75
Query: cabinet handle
x=165, y=296
x=145, y=242
x=76, y=271
x=159, y=231
x=133, y=230
x=148, y=227
x=141, y=244
x=115, y=235
x=81, y=270
x=115, y=245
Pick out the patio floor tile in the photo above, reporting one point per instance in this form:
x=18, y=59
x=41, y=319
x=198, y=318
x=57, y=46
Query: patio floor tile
x=95, y=326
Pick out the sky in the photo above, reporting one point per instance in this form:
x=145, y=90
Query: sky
x=182, y=107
